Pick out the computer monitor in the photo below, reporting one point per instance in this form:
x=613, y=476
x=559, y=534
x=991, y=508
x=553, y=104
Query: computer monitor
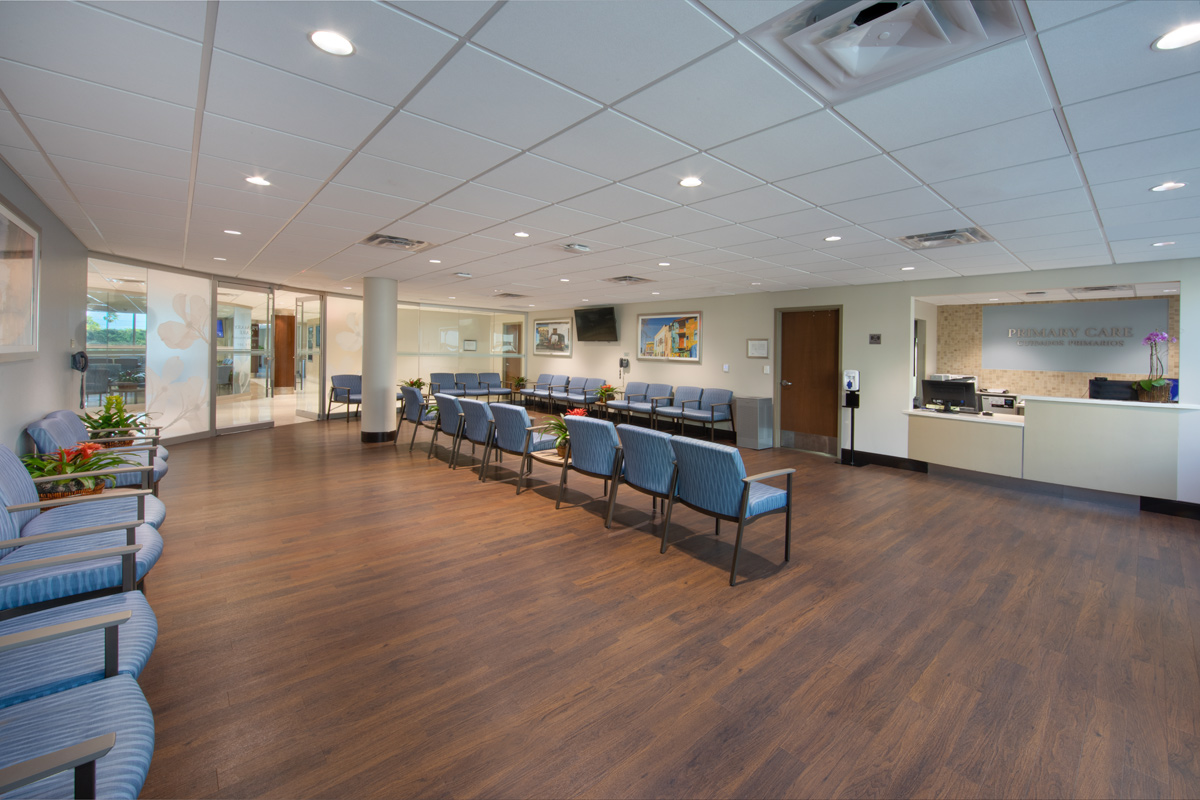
x=1104, y=389
x=949, y=394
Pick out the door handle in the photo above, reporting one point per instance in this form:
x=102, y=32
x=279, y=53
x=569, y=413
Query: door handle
x=785, y=383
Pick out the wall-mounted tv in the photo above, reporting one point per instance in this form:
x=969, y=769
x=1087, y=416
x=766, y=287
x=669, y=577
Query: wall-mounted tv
x=596, y=324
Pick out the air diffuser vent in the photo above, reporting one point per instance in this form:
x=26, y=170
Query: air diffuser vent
x=396, y=243
x=924, y=241
x=1123, y=289
x=509, y=295
x=576, y=247
x=628, y=280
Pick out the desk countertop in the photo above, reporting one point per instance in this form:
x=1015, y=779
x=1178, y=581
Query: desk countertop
x=1117, y=403
x=997, y=419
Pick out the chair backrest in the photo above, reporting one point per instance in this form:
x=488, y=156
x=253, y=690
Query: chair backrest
x=649, y=458
x=658, y=390
x=413, y=400
x=16, y=487
x=351, y=383
x=441, y=380
x=559, y=380
x=477, y=420
x=576, y=386
x=542, y=382
x=511, y=422
x=490, y=379
x=687, y=394
x=51, y=433
x=448, y=410
x=635, y=390
x=225, y=375
x=712, y=396
x=98, y=376
x=710, y=475
x=78, y=430
x=594, y=442
x=592, y=384
x=468, y=380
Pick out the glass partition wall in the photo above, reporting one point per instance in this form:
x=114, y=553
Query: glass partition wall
x=245, y=346
x=433, y=339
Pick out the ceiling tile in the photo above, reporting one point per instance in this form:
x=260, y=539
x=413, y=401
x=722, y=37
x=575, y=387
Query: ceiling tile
x=870, y=176
x=1137, y=190
x=1051, y=240
x=233, y=174
x=724, y=96
x=1019, y=141
x=359, y=224
x=1045, y=205
x=1027, y=180
x=798, y=223
x=538, y=177
x=58, y=139
x=232, y=140
x=904, y=203
x=1144, y=113
x=250, y=202
x=98, y=196
x=989, y=87
x=545, y=37
x=618, y=202
x=919, y=223
x=808, y=144
x=678, y=221
x=409, y=139
x=392, y=51
x=1039, y=226
x=489, y=202
x=485, y=95
x=1143, y=213
x=750, y=204
x=728, y=236
x=87, y=173
x=764, y=248
x=399, y=180
x=361, y=201
x=450, y=219
x=1149, y=158
x=719, y=179
x=29, y=164
x=1049, y=13
x=622, y=235
x=457, y=17
x=1156, y=229
x=184, y=18
x=743, y=15
x=564, y=220
x=612, y=146
x=876, y=248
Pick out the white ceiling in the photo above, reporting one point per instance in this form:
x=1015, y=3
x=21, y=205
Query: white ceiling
x=461, y=123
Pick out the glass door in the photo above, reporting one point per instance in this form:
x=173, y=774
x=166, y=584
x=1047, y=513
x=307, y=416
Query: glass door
x=243, y=380
x=309, y=396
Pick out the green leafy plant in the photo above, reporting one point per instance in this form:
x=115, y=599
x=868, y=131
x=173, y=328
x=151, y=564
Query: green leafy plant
x=84, y=457
x=558, y=426
x=519, y=383
x=606, y=392
x=113, y=415
x=1159, y=343
x=415, y=383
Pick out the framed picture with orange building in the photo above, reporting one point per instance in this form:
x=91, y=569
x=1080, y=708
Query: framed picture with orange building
x=669, y=337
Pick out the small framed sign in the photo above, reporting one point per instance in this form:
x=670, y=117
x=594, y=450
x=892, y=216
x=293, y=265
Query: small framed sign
x=874, y=338
x=756, y=348
x=470, y=345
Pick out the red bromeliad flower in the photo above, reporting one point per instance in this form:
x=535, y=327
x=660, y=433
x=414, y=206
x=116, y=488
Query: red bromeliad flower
x=576, y=412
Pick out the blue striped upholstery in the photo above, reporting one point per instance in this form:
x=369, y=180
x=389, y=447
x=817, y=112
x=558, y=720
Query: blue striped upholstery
x=573, y=387
x=95, y=512
x=594, y=443
x=543, y=382
x=557, y=383
x=706, y=412
x=114, y=705
x=414, y=405
x=689, y=394
x=51, y=583
x=511, y=422
x=469, y=383
x=588, y=393
x=491, y=381
x=82, y=434
x=443, y=383
x=710, y=478
x=16, y=488
x=643, y=406
x=41, y=669
x=477, y=420
x=649, y=458
x=349, y=388
x=448, y=412
x=634, y=390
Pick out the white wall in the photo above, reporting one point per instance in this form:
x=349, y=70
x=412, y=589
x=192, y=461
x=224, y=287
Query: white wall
x=30, y=388
x=886, y=309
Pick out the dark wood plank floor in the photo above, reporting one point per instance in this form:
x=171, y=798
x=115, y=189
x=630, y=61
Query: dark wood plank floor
x=348, y=620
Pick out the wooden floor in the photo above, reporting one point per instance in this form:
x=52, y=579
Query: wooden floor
x=355, y=621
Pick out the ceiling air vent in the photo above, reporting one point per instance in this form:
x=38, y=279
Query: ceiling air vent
x=924, y=241
x=396, y=243
x=576, y=247
x=509, y=295
x=1034, y=294
x=628, y=280
x=1123, y=289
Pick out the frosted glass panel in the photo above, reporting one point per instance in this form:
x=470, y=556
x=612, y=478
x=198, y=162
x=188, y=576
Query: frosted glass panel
x=345, y=339
x=177, y=348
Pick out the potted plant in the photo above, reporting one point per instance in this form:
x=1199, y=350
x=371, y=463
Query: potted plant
x=86, y=457
x=519, y=383
x=113, y=425
x=606, y=393
x=415, y=383
x=1155, y=388
x=557, y=427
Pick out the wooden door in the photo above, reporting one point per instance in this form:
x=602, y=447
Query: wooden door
x=809, y=363
x=512, y=366
x=285, y=351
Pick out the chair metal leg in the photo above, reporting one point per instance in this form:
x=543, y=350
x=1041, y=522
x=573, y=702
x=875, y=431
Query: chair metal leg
x=432, y=444
x=667, y=524
x=487, y=452
x=737, y=547
x=787, y=530
x=612, y=501
x=416, y=427
x=562, y=481
x=718, y=526
x=454, y=449
x=526, y=464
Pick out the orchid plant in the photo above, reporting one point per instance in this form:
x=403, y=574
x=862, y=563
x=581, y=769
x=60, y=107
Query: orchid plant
x=1159, y=343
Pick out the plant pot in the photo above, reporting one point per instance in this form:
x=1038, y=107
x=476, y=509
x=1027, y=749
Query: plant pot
x=111, y=443
x=57, y=491
x=561, y=450
x=1157, y=394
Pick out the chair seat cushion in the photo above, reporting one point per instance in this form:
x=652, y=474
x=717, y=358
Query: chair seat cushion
x=66, y=580
x=62, y=664
x=764, y=498
x=620, y=405
x=477, y=392
x=675, y=412
x=542, y=441
x=640, y=408
x=114, y=705
x=135, y=478
x=453, y=392
x=97, y=512
x=499, y=392
x=713, y=415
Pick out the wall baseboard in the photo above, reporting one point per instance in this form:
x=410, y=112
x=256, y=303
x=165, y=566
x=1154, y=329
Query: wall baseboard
x=1175, y=508
x=863, y=459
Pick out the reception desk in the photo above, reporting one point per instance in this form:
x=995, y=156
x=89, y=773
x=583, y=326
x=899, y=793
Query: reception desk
x=1144, y=449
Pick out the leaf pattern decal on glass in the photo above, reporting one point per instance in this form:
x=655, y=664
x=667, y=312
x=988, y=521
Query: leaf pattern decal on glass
x=194, y=311
x=351, y=341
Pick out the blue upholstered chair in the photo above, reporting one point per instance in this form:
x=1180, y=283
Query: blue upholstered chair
x=496, y=388
x=588, y=394
x=449, y=422
x=530, y=390
x=106, y=723
x=477, y=428
x=515, y=435
x=415, y=410
x=559, y=394
x=685, y=397
x=346, y=390
x=713, y=481
x=52, y=433
x=148, y=433
x=656, y=394
x=716, y=405
x=649, y=463
x=592, y=449
x=633, y=390
x=469, y=383
x=558, y=383
x=444, y=383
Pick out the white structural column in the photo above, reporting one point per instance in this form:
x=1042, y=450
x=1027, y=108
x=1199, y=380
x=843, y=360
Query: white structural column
x=379, y=360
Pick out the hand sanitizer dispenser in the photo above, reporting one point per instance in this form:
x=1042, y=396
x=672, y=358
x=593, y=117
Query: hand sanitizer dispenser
x=850, y=380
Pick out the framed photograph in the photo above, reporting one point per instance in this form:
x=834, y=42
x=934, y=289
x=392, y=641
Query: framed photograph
x=470, y=345
x=756, y=348
x=669, y=337
x=19, y=266
x=552, y=337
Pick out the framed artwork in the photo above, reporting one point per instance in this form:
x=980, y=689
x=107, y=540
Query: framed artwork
x=669, y=337
x=756, y=348
x=19, y=266
x=470, y=345
x=552, y=337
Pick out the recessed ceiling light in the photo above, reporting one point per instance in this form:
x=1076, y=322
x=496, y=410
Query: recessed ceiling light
x=584, y=300
x=993, y=299
x=451, y=297
x=1168, y=186
x=531, y=305
x=1180, y=37
x=345, y=287
x=521, y=234
x=333, y=43
x=257, y=181
x=691, y=182
x=565, y=280
x=664, y=263
x=833, y=238
x=654, y=293
x=434, y=261
x=464, y=275
x=1162, y=244
x=234, y=233
x=907, y=269
x=756, y=283
x=1170, y=290
x=220, y=259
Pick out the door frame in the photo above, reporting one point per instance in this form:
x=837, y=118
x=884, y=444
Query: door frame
x=777, y=364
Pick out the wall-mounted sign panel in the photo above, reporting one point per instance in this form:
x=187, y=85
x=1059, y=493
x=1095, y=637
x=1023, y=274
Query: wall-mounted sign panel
x=1072, y=337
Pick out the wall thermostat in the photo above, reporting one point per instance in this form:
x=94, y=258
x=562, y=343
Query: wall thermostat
x=850, y=380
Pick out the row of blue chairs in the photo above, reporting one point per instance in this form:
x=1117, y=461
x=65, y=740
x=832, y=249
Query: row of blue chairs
x=75, y=633
x=704, y=476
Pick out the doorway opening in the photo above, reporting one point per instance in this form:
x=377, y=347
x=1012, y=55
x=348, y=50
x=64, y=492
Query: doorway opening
x=809, y=385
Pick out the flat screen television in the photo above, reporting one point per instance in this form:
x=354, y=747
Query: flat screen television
x=596, y=324
x=1104, y=389
x=949, y=394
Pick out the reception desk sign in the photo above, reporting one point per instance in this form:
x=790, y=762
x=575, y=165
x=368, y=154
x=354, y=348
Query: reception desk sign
x=1102, y=337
